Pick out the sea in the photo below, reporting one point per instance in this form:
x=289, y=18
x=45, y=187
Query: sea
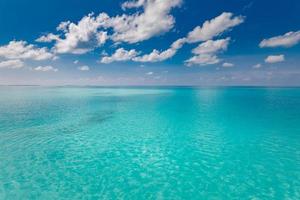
x=149, y=143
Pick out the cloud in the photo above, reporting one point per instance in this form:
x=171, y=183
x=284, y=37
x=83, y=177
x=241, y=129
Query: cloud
x=22, y=50
x=287, y=40
x=209, y=30
x=133, y=4
x=84, y=68
x=227, y=64
x=214, y=27
x=149, y=73
x=82, y=37
x=79, y=38
x=206, y=52
x=155, y=19
x=212, y=46
x=11, y=64
x=256, y=66
x=46, y=69
x=91, y=31
x=120, y=55
x=48, y=38
x=156, y=56
x=274, y=58
x=76, y=62
x=202, y=59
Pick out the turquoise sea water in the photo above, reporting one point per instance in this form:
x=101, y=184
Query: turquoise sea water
x=149, y=143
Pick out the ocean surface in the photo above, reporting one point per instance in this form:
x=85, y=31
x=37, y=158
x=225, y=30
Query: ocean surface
x=149, y=143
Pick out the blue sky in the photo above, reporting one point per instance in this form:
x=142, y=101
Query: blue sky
x=150, y=42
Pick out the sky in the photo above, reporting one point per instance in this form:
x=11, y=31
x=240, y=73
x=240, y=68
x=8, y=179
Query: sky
x=150, y=42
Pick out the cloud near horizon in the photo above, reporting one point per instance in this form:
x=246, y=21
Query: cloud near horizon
x=24, y=51
x=47, y=68
x=11, y=64
x=287, y=40
x=275, y=58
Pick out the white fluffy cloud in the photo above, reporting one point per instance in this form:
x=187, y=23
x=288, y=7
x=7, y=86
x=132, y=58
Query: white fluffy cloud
x=133, y=4
x=84, y=68
x=214, y=27
x=212, y=46
x=22, y=50
x=82, y=37
x=227, y=64
x=154, y=20
x=12, y=64
x=156, y=56
x=287, y=40
x=46, y=69
x=120, y=55
x=206, y=53
x=202, y=59
x=79, y=38
x=91, y=31
x=274, y=59
x=48, y=38
x=209, y=30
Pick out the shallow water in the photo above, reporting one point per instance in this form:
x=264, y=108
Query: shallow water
x=149, y=143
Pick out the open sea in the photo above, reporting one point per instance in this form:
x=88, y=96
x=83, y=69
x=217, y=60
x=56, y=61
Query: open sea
x=149, y=143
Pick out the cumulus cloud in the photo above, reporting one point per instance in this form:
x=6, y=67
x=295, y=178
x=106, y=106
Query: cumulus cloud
x=82, y=37
x=48, y=38
x=209, y=47
x=209, y=30
x=11, y=64
x=79, y=38
x=152, y=18
x=84, y=68
x=274, y=58
x=22, y=50
x=206, y=52
x=155, y=19
x=212, y=46
x=227, y=64
x=120, y=55
x=46, y=69
x=287, y=40
x=202, y=59
x=91, y=31
x=156, y=55
x=133, y=4
x=214, y=27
